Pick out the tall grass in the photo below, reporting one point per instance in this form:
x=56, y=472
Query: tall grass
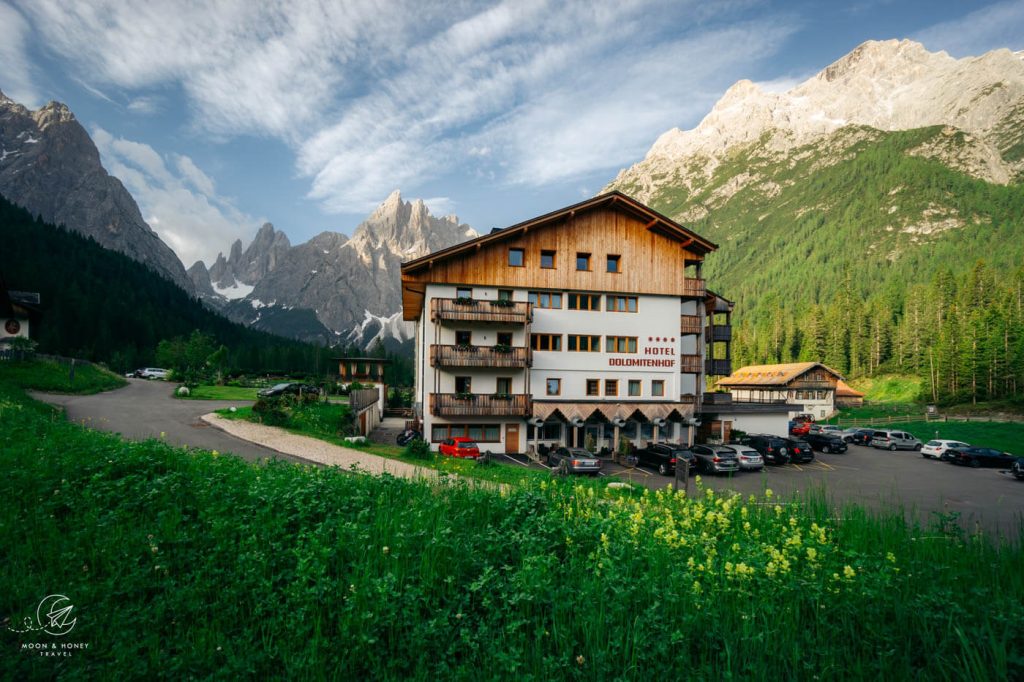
x=186, y=564
x=56, y=377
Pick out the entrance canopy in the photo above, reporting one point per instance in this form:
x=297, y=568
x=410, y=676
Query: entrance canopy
x=611, y=411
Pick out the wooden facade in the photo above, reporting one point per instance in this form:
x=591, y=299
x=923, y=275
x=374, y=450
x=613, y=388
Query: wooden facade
x=612, y=225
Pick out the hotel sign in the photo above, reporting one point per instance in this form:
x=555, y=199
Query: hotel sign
x=653, y=355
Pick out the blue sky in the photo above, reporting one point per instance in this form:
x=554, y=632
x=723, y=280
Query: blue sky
x=221, y=115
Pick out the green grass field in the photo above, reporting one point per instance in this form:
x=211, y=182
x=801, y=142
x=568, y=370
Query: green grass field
x=183, y=564
x=208, y=392
x=55, y=377
x=891, y=388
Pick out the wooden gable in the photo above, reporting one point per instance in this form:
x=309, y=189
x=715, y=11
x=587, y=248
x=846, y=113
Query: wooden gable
x=653, y=253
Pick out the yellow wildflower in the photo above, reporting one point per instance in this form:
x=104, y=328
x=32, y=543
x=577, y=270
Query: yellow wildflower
x=890, y=557
x=768, y=493
x=849, y=572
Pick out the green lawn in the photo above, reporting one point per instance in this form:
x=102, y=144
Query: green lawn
x=890, y=388
x=321, y=422
x=184, y=564
x=208, y=392
x=56, y=377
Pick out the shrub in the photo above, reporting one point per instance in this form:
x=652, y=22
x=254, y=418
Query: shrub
x=271, y=411
x=418, y=449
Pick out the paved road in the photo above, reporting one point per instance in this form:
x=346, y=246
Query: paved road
x=880, y=479
x=989, y=498
x=145, y=409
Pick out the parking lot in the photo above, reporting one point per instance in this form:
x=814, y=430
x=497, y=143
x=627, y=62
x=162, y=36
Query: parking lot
x=991, y=499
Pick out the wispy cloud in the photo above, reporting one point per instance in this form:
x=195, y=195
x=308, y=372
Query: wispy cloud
x=15, y=67
x=989, y=28
x=373, y=96
x=179, y=201
x=147, y=104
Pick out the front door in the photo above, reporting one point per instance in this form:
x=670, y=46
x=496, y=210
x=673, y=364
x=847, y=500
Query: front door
x=512, y=439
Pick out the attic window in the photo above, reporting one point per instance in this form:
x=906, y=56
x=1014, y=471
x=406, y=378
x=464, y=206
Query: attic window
x=516, y=258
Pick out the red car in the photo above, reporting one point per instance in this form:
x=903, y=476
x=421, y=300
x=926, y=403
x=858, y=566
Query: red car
x=460, y=447
x=799, y=428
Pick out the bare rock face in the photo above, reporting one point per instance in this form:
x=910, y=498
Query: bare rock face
x=886, y=85
x=50, y=166
x=351, y=287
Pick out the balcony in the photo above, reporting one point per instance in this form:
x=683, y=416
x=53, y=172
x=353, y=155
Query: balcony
x=808, y=384
x=689, y=324
x=690, y=364
x=480, y=405
x=718, y=368
x=719, y=332
x=479, y=356
x=693, y=287
x=718, y=398
x=471, y=310
x=688, y=399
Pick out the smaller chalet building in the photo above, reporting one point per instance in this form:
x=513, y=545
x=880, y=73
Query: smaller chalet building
x=18, y=312
x=809, y=387
x=848, y=397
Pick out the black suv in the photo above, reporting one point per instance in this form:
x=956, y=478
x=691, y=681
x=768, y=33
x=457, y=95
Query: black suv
x=800, y=450
x=774, y=449
x=663, y=457
x=826, y=442
x=291, y=388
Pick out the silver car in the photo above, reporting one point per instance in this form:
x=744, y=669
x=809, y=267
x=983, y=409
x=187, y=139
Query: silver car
x=895, y=440
x=717, y=459
x=573, y=461
x=750, y=459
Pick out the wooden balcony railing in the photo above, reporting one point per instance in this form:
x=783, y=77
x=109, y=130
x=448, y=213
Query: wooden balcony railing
x=690, y=364
x=480, y=405
x=456, y=310
x=689, y=324
x=718, y=368
x=479, y=356
x=718, y=398
x=719, y=332
x=817, y=385
x=693, y=287
x=688, y=399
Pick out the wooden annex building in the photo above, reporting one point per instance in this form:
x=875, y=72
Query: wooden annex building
x=587, y=325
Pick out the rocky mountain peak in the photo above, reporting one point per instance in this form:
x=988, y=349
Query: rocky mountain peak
x=50, y=166
x=886, y=85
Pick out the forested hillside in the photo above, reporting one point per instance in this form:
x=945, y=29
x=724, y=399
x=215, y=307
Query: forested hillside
x=863, y=253
x=100, y=305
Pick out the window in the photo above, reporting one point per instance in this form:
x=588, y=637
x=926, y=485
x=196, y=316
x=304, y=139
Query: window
x=613, y=263
x=545, y=299
x=516, y=258
x=593, y=387
x=658, y=387
x=620, y=344
x=546, y=341
x=463, y=292
x=583, y=261
x=504, y=385
x=504, y=338
x=504, y=294
x=548, y=431
x=463, y=384
x=634, y=387
x=621, y=304
x=554, y=386
x=584, y=301
x=482, y=433
x=611, y=386
x=587, y=344
x=547, y=260
x=463, y=337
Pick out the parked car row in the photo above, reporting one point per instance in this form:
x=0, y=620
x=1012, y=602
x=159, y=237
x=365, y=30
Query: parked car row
x=975, y=457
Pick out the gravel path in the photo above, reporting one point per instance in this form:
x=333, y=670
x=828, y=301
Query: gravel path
x=314, y=450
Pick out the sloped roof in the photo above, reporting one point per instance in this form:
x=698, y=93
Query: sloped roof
x=655, y=221
x=772, y=375
x=843, y=390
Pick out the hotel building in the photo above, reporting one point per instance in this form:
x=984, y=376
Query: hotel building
x=582, y=326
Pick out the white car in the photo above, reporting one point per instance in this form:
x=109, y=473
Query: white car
x=827, y=429
x=935, y=448
x=750, y=459
x=152, y=373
